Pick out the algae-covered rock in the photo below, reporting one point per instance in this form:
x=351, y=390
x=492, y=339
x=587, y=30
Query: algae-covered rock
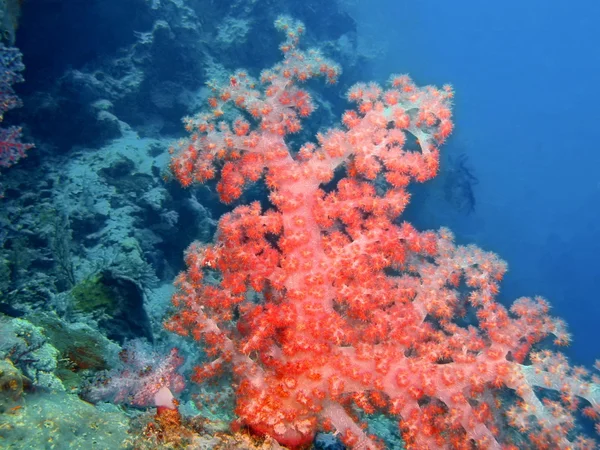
x=11, y=385
x=63, y=421
x=92, y=295
x=29, y=349
x=83, y=349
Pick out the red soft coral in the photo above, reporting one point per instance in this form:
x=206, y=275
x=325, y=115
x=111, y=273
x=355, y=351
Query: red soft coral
x=325, y=301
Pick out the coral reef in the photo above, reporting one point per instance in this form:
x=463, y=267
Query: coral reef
x=338, y=322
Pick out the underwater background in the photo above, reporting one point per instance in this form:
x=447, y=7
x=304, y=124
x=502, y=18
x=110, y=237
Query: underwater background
x=93, y=226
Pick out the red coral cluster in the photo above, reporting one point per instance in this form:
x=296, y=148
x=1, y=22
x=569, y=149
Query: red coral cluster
x=355, y=308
